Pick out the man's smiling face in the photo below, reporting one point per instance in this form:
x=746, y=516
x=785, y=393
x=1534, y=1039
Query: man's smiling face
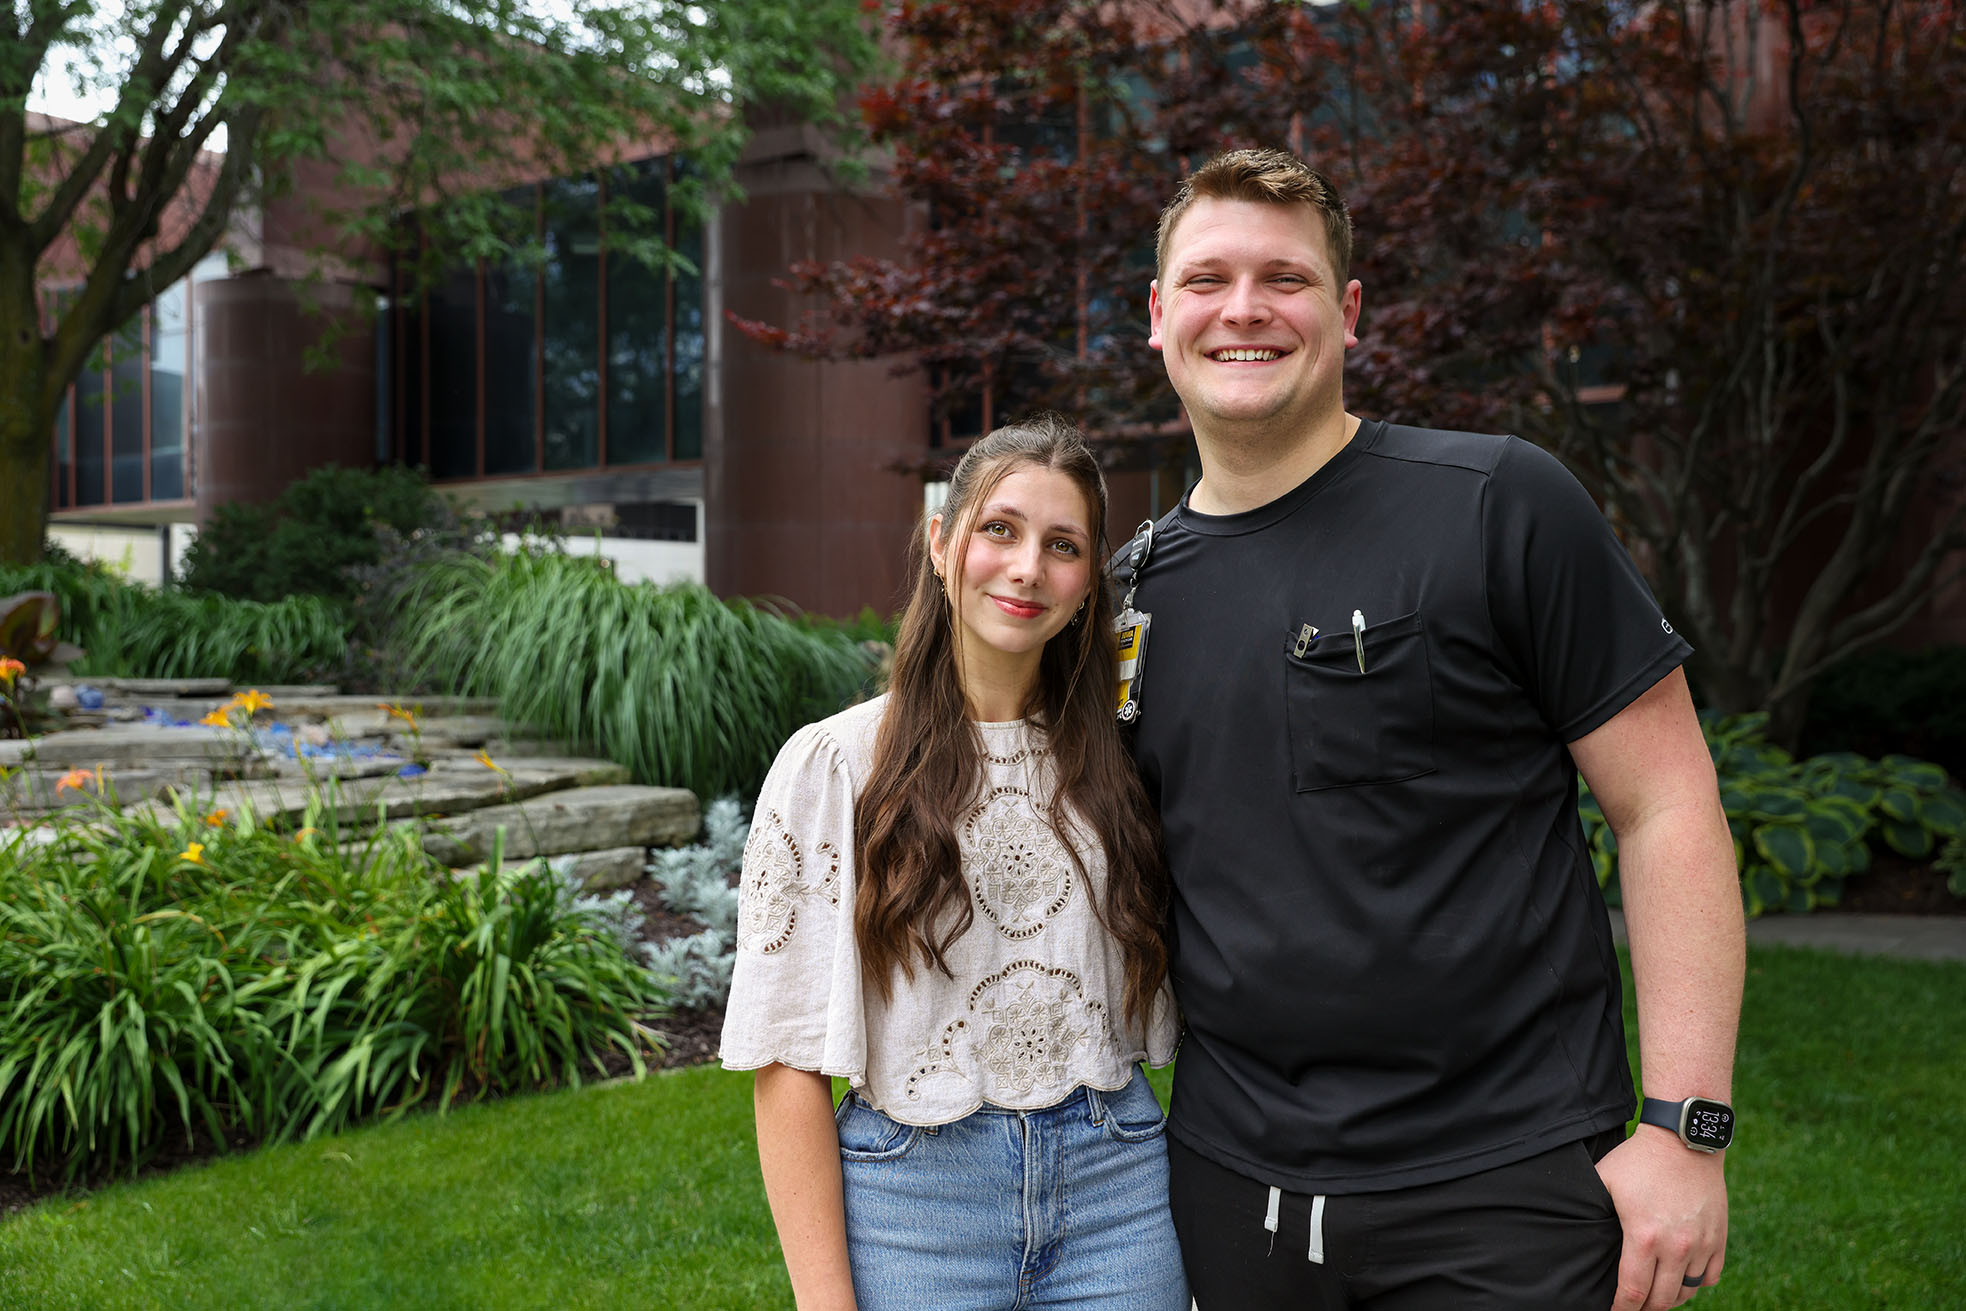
x=1250, y=318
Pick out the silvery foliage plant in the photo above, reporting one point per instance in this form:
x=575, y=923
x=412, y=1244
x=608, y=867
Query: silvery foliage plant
x=614, y=912
x=698, y=881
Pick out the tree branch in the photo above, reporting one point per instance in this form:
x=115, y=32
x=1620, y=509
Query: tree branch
x=115, y=135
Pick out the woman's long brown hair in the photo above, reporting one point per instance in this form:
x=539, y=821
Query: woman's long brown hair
x=913, y=902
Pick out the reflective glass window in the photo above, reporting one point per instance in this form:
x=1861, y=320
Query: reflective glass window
x=572, y=326
x=637, y=328
x=126, y=413
x=510, y=294
x=689, y=345
x=64, y=452
x=451, y=314
x=91, y=466
x=169, y=343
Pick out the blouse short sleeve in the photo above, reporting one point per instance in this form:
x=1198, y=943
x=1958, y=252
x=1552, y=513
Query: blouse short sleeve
x=795, y=995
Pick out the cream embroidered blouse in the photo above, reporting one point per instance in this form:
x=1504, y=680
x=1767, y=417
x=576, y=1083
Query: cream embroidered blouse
x=1036, y=1007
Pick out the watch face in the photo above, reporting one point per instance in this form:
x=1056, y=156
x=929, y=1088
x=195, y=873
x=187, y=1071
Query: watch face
x=1709, y=1124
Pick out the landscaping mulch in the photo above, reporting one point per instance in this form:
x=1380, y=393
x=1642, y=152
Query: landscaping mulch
x=1895, y=885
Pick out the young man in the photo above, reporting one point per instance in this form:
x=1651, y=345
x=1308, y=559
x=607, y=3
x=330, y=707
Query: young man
x=1378, y=657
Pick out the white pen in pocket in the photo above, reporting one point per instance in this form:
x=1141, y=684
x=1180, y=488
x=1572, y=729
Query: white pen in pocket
x=1358, y=637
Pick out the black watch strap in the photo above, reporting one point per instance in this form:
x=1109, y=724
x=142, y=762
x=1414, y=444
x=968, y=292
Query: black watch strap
x=1703, y=1124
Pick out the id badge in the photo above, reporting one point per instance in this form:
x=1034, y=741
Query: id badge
x=1130, y=634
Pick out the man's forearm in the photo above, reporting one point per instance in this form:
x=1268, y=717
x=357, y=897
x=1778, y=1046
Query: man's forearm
x=1683, y=919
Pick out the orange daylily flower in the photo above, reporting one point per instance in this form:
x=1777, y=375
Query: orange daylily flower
x=397, y=712
x=77, y=779
x=489, y=763
x=216, y=818
x=217, y=719
x=195, y=853
x=252, y=702
x=10, y=669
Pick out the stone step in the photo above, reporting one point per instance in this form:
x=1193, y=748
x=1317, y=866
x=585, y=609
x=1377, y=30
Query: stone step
x=127, y=747
x=444, y=731
x=164, y=687
x=583, y=819
x=598, y=871
x=34, y=791
x=450, y=789
x=294, y=709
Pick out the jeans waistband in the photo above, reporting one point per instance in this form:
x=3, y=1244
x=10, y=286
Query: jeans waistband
x=1088, y=1101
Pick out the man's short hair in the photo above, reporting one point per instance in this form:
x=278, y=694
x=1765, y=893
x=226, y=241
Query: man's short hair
x=1263, y=177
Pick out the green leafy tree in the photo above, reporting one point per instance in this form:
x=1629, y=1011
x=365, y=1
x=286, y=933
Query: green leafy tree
x=423, y=104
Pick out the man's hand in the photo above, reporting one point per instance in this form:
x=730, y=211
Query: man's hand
x=1672, y=1202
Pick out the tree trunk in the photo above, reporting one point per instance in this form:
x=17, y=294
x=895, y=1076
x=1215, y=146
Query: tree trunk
x=26, y=416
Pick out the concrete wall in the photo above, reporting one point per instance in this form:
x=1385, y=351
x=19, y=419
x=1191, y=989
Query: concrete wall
x=635, y=561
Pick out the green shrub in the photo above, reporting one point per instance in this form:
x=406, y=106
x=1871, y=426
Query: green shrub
x=163, y=975
x=1884, y=701
x=305, y=542
x=684, y=689
x=1802, y=827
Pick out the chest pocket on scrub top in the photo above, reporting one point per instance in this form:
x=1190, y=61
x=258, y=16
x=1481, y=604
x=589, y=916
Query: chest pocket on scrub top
x=1347, y=727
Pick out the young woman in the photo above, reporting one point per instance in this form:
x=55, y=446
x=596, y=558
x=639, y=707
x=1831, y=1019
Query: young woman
x=952, y=897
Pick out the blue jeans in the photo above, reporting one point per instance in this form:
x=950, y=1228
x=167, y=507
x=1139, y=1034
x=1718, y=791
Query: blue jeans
x=1065, y=1207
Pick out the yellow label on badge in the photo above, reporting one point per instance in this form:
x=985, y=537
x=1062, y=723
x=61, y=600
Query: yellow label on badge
x=1128, y=640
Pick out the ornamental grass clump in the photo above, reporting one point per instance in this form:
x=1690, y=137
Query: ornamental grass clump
x=682, y=688
x=131, y=631
x=191, y=973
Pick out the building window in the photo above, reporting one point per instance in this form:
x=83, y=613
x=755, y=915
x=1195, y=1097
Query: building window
x=571, y=323
x=589, y=361
x=119, y=431
x=170, y=329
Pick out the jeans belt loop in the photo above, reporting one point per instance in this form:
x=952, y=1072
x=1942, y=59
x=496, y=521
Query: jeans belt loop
x=1096, y=1102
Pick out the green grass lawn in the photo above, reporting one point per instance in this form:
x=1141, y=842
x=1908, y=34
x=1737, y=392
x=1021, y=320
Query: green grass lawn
x=1845, y=1186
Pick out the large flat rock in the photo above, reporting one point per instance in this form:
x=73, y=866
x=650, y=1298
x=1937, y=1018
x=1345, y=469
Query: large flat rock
x=295, y=708
x=167, y=687
x=445, y=731
x=598, y=871
x=451, y=790
x=577, y=771
x=34, y=791
x=583, y=819
x=120, y=747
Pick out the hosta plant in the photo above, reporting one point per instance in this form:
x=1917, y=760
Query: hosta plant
x=1802, y=828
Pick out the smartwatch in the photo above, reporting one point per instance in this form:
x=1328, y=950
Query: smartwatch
x=1702, y=1124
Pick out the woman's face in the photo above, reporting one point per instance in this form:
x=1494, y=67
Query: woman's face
x=1024, y=565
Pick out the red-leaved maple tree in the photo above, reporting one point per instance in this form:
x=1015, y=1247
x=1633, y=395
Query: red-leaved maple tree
x=1710, y=254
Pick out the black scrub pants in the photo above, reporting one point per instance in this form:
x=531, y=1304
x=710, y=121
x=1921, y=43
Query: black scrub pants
x=1535, y=1235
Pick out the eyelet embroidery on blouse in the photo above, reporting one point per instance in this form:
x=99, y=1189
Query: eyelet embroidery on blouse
x=774, y=881
x=1027, y=1022
x=1019, y=756
x=1019, y=874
